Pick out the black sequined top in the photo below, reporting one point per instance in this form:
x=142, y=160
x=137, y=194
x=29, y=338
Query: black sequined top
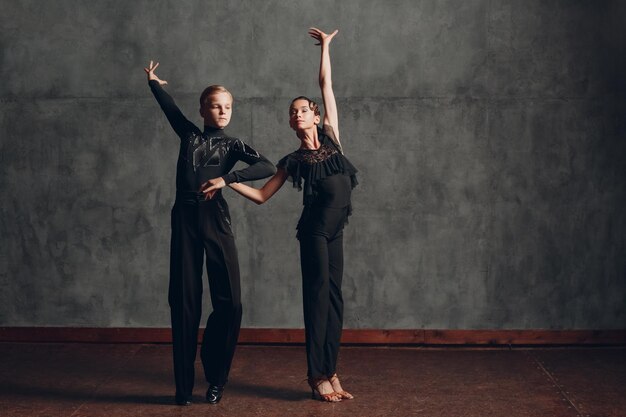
x=325, y=175
x=209, y=154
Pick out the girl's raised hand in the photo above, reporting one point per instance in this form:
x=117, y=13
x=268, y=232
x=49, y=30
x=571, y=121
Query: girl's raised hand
x=321, y=37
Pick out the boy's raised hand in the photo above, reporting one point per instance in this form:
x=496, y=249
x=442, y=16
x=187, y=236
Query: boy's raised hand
x=152, y=75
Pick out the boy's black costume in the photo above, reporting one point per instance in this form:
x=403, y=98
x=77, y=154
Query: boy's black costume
x=201, y=228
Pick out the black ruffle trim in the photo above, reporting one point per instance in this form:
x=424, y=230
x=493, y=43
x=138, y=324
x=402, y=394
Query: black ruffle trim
x=300, y=171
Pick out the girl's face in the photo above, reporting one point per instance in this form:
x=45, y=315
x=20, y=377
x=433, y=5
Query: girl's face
x=301, y=116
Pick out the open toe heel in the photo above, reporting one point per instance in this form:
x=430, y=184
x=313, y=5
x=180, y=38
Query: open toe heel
x=342, y=394
x=316, y=394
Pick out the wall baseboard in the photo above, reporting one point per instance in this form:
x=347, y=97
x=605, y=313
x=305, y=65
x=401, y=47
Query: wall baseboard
x=426, y=337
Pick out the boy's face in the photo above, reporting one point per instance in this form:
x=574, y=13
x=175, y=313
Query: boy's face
x=217, y=110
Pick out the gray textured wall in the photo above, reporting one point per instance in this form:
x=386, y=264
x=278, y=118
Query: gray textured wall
x=489, y=136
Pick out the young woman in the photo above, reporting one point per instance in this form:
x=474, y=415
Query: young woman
x=328, y=179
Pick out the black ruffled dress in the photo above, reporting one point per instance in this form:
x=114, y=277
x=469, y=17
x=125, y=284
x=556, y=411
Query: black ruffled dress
x=325, y=176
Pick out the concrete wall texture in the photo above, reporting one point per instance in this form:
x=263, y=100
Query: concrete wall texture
x=489, y=136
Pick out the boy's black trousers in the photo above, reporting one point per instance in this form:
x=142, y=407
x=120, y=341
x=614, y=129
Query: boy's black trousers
x=201, y=231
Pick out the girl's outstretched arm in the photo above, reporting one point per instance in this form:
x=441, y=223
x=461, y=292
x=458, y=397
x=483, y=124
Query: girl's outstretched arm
x=263, y=194
x=325, y=79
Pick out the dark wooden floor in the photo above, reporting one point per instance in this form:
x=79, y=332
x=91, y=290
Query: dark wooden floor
x=135, y=380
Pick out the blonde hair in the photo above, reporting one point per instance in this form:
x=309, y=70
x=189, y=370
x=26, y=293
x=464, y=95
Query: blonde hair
x=212, y=90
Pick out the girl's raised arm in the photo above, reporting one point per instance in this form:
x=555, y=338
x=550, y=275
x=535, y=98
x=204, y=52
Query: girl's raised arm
x=325, y=79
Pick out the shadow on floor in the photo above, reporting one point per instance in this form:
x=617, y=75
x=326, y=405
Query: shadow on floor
x=260, y=391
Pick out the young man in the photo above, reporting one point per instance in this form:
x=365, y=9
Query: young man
x=202, y=227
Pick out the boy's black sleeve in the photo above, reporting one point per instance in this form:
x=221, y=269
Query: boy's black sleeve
x=177, y=120
x=259, y=166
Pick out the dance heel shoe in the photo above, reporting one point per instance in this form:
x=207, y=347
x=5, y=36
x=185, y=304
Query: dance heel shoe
x=214, y=394
x=316, y=394
x=343, y=394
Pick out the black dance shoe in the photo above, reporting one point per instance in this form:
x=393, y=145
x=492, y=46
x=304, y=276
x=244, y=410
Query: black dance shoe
x=180, y=400
x=214, y=393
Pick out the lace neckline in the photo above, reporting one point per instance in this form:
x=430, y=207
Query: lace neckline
x=312, y=156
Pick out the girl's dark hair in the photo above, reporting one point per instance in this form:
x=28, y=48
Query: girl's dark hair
x=312, y=105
